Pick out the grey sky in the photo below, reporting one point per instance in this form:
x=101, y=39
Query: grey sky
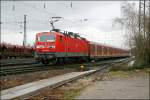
x=98, y=27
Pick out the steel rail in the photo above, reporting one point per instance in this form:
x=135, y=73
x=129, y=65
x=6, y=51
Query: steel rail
x=14, y=62
x=39, y=67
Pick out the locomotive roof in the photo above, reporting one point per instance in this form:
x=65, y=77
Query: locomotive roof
x=41, y=33
x=91, y=42
x=70, y=34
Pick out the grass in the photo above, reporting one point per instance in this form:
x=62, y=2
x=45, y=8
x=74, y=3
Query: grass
x=75, y=90
x=128, y=73
x=127, y=67
x=124, y=70
x=120, y=67
x=120, y=73
x=69, y=95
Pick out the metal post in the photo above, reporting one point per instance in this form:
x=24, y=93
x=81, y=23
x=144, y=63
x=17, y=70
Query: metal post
x=149, y=34
x=142, y=18
x=139, y=17
x=24, y=37
x=144, y=21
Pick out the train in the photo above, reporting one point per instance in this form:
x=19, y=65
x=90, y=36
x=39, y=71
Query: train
x=8, y=51
x=57, y=45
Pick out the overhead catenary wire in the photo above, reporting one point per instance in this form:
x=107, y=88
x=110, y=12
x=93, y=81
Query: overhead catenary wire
x=74, y=23
x=53, y=14
x=50, y=14
x=20, y=15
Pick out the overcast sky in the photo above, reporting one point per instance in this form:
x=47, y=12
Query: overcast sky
x=97, y=28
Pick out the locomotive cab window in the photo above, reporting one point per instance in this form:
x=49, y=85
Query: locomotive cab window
x=46, y=38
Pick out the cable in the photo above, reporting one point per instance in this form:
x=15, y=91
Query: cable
x=49, y=13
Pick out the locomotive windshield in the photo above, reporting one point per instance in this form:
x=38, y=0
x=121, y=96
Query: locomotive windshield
x=46, y=38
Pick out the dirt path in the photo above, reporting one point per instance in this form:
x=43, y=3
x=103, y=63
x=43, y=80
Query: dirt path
x=129, y=87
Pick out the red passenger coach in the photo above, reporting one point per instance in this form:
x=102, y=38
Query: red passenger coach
x=103, y=51
x=55, y=45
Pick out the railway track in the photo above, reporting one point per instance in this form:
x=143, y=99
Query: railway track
x=14, y=62
x=12, y=70
x=27, y=90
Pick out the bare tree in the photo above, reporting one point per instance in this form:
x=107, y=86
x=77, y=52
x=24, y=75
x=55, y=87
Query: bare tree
x=137, y=41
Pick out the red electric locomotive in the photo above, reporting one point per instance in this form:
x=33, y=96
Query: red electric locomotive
x=55, y=45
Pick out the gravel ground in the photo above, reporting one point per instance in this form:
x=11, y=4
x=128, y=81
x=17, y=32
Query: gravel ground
x=19, y=79
x=115, y=85
x=15, y=80
x=131, y=85
x=69, y=90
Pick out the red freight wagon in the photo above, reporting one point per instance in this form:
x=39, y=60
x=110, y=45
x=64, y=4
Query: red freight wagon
x=9, y=51
x=54, y=45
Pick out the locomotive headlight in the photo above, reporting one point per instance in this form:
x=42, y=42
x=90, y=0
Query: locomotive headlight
x=39, y=46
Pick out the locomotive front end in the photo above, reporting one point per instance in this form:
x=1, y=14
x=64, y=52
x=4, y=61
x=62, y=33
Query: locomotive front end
x=45, y=47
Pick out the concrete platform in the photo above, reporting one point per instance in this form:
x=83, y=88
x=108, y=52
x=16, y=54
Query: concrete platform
x=28, y=89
